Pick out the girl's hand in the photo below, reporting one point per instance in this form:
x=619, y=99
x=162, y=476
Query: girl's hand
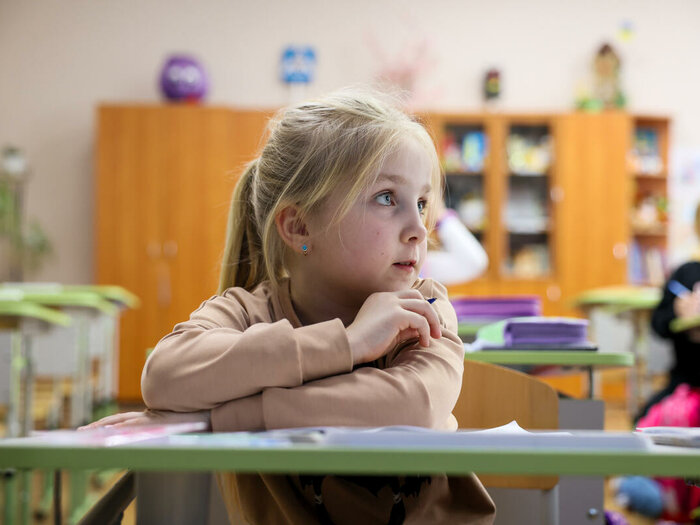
x=389, y=318
x=151, y=417
x=688, y=304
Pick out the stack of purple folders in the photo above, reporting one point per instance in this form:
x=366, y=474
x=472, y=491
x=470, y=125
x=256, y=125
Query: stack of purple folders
x=485, y=309
x=534, y=333
x=556, y=332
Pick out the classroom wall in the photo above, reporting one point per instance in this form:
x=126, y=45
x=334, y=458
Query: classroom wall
x=59, y=58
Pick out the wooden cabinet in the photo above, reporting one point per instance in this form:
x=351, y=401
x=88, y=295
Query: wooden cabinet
x=164, y=177
x=593, y=221
x=554, y=198
x=555, y=192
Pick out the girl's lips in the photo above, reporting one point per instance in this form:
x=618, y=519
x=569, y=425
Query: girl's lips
x=405, y=266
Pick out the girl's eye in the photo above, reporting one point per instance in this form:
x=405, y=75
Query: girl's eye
x=421, y=206
x=384, y=199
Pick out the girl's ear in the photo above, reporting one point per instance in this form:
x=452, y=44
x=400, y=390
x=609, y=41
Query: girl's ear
x=292, y=229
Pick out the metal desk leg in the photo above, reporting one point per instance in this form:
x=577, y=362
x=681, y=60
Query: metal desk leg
x=25, y=484
x=10, y=490
x=80, y=503
x=17, y=364
x=550, y=506
x=80, y=414
x=57, y=497
x=25, y=492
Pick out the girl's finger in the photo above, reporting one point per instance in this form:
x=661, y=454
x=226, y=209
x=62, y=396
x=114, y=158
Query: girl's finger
x=419, y=323
x=110, y=420
x=422, y=307
x=409, y=294
x=133, y=422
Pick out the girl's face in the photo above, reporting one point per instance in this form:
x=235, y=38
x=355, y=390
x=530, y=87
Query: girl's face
x=380, y=244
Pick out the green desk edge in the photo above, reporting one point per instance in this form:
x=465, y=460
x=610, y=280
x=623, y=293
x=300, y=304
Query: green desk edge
x=61, y=297
x=113, y=293
x=304, y=458
x=33, y=310
x=465, y=329
x=620, y=298
x=679, y=325
x=552, y=357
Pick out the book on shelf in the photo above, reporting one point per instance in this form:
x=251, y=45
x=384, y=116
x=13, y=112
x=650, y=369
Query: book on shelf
x=646, y=265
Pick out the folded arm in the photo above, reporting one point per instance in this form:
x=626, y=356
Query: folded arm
x=218, y=356
x=419, y=386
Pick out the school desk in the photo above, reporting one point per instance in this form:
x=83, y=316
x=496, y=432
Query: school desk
x=19, y=321
x=107, y=353
x=585, y=359
x=578, y=497
x=581, y=454
x=636, y=303
x=66, y=352
x=74, y=342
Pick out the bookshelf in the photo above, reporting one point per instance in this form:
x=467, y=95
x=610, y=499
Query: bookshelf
x=500, y=178
x=527, y=206
x=464, y=154
x=552, y=198
x=648, y=172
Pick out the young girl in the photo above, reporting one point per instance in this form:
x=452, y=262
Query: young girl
x=321, y=318
x=680, y=299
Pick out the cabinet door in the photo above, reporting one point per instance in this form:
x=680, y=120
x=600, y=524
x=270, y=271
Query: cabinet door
x=592, y=227
x=164, y=180
x=210, y=149
x=130, y=158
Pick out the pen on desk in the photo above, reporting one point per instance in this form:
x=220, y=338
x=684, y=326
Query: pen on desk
x=677, y=288
x=431, y=300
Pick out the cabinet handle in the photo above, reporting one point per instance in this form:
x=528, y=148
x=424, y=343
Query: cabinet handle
x=153, y=249
x=556, y=194
x=620, y=250
x=553, y=292
x=169, y=249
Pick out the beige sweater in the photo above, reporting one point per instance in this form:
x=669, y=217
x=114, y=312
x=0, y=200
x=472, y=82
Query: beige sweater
x=247, y=358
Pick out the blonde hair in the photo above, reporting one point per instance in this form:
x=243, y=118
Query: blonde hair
x=313, y=148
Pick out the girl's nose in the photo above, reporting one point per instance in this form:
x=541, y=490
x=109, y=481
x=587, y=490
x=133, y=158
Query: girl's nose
x=414, y=230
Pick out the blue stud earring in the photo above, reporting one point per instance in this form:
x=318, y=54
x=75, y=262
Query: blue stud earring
x=305, y=249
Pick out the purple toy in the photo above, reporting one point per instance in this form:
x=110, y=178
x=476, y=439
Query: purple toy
x=183, y=79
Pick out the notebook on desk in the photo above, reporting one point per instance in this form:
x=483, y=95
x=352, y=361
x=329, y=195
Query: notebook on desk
x=674, y=436
x=507, y=437
x=534, y=333
x=107, y=436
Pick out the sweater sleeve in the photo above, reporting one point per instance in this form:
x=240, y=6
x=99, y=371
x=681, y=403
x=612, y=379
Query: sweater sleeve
x=462, y=258
x=419, y=386
x=218, y=356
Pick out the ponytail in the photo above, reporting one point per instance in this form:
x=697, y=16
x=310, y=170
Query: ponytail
x=243, y=264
